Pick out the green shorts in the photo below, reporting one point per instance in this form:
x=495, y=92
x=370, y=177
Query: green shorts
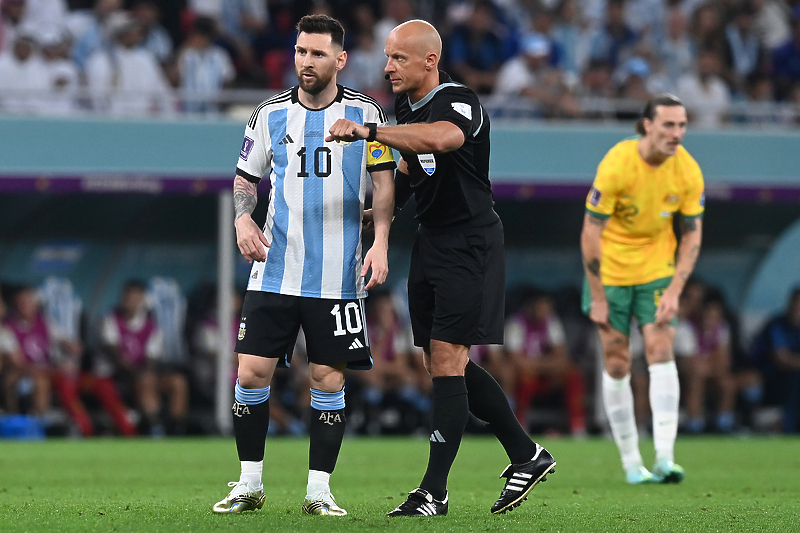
x=626, y=302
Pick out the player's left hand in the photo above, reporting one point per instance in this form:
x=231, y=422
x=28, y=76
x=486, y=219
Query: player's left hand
x=347, y=130
x=667, y=308
x=378, y=260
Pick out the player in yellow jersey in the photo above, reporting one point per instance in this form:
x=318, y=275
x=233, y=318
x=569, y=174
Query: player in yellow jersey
x=628, y=247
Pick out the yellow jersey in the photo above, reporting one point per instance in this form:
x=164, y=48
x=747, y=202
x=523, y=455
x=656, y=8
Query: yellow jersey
x=638, y=243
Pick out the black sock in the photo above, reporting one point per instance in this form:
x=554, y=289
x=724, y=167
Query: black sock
x=250, y=424
x=488, y=402
x=449, y=418
x=326, y=431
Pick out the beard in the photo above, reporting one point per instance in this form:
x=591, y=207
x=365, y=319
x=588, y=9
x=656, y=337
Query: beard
x=316, y=85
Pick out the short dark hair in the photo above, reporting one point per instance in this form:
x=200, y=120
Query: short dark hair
x=322, y=24
x=649, y=111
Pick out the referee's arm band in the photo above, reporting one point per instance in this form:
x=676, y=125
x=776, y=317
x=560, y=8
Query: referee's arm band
x=248, y=177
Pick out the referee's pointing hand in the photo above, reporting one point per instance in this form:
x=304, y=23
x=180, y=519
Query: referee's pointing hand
x=347, y=130
x=250, y=239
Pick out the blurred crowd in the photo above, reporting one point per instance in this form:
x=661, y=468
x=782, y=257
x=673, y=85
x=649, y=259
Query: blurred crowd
x=729, y=60
x=149, y=366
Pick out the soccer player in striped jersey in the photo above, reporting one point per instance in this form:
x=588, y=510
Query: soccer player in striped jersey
x=628, y=247
x=307, y=266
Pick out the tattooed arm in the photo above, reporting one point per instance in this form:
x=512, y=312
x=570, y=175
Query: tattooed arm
x=249, y=237
x=590, y=249
x=688, y=250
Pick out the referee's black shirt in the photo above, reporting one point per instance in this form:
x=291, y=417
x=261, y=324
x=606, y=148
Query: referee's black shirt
x=450, y=188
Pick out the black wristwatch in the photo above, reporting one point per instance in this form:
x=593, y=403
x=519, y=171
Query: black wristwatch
x=373, y=130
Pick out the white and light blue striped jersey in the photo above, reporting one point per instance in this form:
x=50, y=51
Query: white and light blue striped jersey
x=316, y=202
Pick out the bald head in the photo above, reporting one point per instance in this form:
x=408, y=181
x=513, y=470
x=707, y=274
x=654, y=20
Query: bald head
x=420, y=37
x=413, y=50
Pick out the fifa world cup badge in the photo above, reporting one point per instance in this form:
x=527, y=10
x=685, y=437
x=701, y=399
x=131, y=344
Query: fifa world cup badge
x=242, y=330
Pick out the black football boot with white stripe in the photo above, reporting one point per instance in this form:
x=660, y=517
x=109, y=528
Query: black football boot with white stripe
x=420, y=502
x=521, y=478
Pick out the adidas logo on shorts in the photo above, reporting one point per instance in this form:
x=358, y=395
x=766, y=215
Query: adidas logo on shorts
x=356, y=344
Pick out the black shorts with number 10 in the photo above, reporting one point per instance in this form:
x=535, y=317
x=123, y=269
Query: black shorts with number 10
x=456, y=285
x=335, y=330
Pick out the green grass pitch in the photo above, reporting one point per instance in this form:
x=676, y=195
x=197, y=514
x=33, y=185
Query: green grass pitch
x=733, y=485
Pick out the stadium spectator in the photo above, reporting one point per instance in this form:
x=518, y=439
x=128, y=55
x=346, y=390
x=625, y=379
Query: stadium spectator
x=131, y=345
x=596, y=90
x=475, y=49
x=615, y=38
x=63, y=76
x=708, y=28
x=156, y=38
x=91, y=30
x=49, y=362
x=674, y=46
x=784, y=338
x=11, y=18
x=241, y=23
x=772, y=22
x=46, y=13
x=126, y=79
x=645, y=17
x=744, y=53
x=394, y=12
x=572, y=41
x=711, y=368
x=24, y=79
x=786, y=61
x=363, y=71
x=529, y=75
x=204, y=68
x=10, y=356
x=633, y=77
x=536, y=345
x=705, y=94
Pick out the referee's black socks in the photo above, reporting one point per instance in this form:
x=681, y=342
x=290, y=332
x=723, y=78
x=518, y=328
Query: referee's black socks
x=325, y=429
x=449, y=418
x=488, y=402
x=250, y=422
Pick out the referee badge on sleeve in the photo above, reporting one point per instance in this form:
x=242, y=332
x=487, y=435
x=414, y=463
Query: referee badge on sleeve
x=428, y=163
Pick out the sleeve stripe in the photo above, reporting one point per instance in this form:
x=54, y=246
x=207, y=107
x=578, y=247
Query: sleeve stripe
x=386, y=165
x=278, y=98
x=596, y=214
x=354, y=95
x=248, y=177
x=696, y=215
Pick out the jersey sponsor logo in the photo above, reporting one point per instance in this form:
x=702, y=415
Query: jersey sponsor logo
x=286, y=140
x=247, y=147
x=428, y=163
x=594, y=196
x=242, y=330
x=671, y=199
x=463, y=109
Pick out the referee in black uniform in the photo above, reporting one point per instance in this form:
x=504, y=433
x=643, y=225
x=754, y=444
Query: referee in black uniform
x=456, y=286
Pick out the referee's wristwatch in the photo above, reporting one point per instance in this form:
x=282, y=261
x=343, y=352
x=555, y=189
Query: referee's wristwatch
x=373, y=130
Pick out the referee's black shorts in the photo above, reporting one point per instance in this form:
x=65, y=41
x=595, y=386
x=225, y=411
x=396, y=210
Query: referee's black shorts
x=456, y=285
